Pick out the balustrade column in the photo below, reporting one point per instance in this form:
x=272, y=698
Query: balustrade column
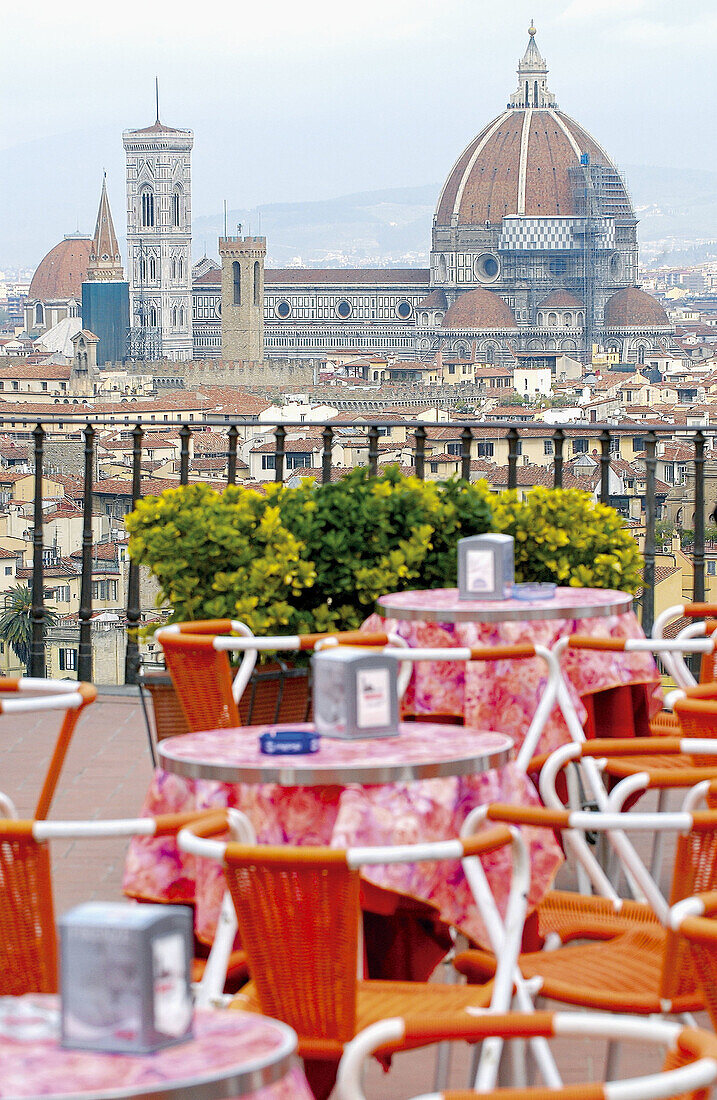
x=37, y=613
x=558, y=443
x=184, y=437
x=420, y=463
x=373, y=450
x=604, y=466
x=232, y=438
x=84, y=660
x=513, y=440
x=466, y=442
x=648, y=584
x=131, y=660
x=328, y=437
x=698, y=560
x=280, y=436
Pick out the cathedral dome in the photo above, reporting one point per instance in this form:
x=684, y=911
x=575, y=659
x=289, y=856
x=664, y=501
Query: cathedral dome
x=479, y=309
x=63, y=270
x=633, y=308
x=560, y=299
x=529, y=161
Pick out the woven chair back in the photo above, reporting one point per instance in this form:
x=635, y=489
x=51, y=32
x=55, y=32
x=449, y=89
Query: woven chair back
x=698, y=718
x=203, y=678
x=299, y=911
x=28, y=948
x=701, y=935
x=695, y=872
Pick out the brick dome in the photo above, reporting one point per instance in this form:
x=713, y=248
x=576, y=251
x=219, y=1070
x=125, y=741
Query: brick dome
x=63, y=270
x=519, y=164
x=633, y=308
x=561, y=299
x=479, y=309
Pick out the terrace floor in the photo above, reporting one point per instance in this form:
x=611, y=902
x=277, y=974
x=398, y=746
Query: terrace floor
x=106, y=773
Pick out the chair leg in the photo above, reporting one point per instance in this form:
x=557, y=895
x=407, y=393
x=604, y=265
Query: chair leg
x=444, y=1050
x=612, y=1060
x=658, y=840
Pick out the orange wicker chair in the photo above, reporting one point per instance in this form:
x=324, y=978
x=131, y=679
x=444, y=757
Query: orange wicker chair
x=197, y=657
x=40, y=694
x=28, y=937
x=643, y=970
x=690, y=1051
x=694, y=920
x=299, y=910
x=666, y=721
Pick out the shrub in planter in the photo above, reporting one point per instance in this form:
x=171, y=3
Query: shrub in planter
x=563, y=535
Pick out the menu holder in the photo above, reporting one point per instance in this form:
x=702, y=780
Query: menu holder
x=486, y=567
x=355, y=693
x=125, y=976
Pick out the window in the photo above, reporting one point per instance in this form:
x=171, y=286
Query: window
x=580, y=446
x=236, y=275
x=68, y=660
x=44, y=387
x=175, y=209
x=451, y=368
x=104, y=590
x=614, y=444
x=711, y=568
x=296, y=459
x=434, y=467
x=8, y=570
x=39, y=314
x=152, y=267
x=268, y=462
x=257, y=283
x=485, y=449
x=453, y=448
x=547, y=446
x=638, y=443
x=147, y=207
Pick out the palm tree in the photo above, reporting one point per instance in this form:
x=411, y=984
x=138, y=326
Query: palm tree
x=16, y=621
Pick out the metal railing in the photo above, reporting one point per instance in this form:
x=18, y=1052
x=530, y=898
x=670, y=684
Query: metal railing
x=467, y=433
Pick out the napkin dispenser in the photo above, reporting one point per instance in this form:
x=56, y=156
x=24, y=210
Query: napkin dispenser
x=355, y=693
x=486, y=567
x=125, y=976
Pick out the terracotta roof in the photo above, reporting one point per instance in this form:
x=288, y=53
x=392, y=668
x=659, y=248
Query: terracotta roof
x=483, y=185
x=435, y=300
x=479, y=309
x=633, y=308
x=561, y=299
x=62, y=271
x=36, y=370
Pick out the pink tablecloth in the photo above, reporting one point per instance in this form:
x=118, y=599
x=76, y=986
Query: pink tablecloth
x=502, y=695
x=33, y=1064
x=344, y=816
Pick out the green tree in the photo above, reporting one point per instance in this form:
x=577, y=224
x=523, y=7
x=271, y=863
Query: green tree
x=16, y=621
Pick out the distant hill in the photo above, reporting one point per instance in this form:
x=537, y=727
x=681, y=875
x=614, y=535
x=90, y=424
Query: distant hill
x=677, y=209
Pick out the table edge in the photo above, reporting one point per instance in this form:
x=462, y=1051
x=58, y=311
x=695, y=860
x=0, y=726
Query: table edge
x=289, y=775
x=518, y=614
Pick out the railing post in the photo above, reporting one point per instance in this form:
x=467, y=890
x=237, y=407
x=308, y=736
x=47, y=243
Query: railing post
x=84, y=660
x=558, y=442
x=648, y=583
x=328, y=437
x=232, y=438
x=513, y=440
x=131, y=660
x=698, y=560
x=373, y=451
x=466, y=442
x=420, y=463
x=184, y=436
x=37, y=615
x=605, y=466
x=280, y=436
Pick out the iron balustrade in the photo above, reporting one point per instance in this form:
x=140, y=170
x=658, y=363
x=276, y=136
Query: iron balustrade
x=467, y=434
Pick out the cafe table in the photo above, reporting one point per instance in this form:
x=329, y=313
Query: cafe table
x=614, y=694
x=231, y=1054
x=418, y=786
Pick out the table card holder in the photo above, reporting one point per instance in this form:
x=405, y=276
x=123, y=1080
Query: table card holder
x=125, y=976
x=486, y=568
x=355, y=693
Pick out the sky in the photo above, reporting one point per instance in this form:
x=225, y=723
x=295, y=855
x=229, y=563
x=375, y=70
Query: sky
x=297, y=101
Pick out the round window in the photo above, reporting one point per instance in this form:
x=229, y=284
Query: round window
x=403, y=309
x=487, y=267
x=344, y=308
x=283, y=309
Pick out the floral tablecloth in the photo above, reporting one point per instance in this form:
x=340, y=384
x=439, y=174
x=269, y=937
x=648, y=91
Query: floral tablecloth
x=502, y=695
x=33, y=1064
x=345, y=816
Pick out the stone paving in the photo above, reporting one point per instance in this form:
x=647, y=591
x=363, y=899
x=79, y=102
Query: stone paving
x=106, y=773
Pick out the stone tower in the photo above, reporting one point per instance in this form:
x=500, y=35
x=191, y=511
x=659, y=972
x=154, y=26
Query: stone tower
x=159, y=240
x=242, y=298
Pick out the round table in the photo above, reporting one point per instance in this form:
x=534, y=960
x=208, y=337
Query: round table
x=419, y=786
x=424, y=752
x=232, y=1054
x=613, y=693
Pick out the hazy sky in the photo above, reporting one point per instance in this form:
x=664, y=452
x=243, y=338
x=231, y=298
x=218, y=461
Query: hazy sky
x=298, y=100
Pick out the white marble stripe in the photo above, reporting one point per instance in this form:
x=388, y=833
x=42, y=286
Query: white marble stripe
x=574, y=145
x=479, y=149
x=522, y=170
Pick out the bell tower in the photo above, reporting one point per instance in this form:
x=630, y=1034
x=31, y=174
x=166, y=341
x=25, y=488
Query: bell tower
x=242, y=298
x=159, y=240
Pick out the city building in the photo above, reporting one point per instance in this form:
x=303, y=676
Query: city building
x=534, y=249
x=105, y=293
